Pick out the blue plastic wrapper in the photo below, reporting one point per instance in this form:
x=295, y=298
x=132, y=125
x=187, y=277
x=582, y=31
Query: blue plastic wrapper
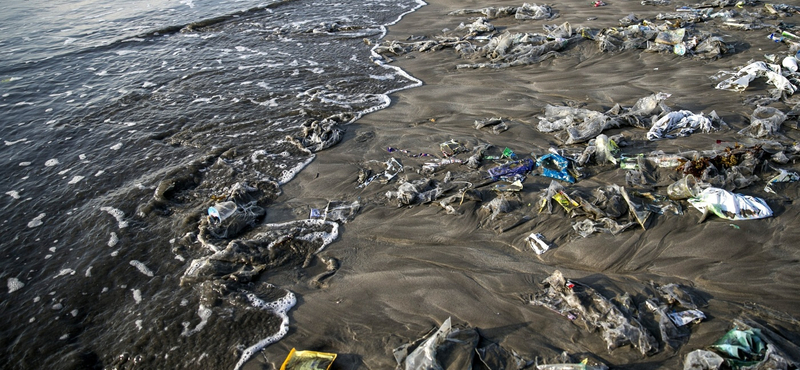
x=520, y=167
x=555, y=166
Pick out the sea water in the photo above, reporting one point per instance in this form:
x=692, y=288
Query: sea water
x=122, y=123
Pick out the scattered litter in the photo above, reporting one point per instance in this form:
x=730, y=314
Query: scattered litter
x=308, y=360
x=686, y=317
x=451, y=148
x=783, y=176
x=537, y=243
x=454, y=347
x=497, y=124
x=555, y=166
x=731, y=206
x=701, y=359
x=585, y=307
x=742, y=78
x=511, y=169
x=684, y=122
x=765, y=121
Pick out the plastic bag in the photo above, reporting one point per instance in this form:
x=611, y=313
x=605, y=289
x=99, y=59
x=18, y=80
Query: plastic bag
x=741, y=79
x=583, y=305
x=731, y=206
x=555, y=166
x=606, y=148
x=741, y=347
x=764, y=121
x=684, y=121
x=702, y=360
x=783, y=176
x=308, y=360
x=520, y=167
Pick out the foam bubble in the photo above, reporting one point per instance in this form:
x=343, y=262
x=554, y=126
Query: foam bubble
x=142, y=268
x=25, y=164
x=75, y=179
x=51, y=162
x=288, y=175
x=116, y=146
x=99, y=173
x=37, y=221
x=64, y=337
x=138, y=324
x=64, y=272
x=113, y=240
x=204, y=314
x=119, y=215
x=13, y=193
x=14, y=284
x=137, y=295
x=88, y=272
x=282, y=306
x=10, y=143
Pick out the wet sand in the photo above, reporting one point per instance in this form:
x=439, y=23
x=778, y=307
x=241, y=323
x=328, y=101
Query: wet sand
x=404, y=270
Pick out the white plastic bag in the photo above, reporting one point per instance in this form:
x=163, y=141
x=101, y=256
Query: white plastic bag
x=731, y=206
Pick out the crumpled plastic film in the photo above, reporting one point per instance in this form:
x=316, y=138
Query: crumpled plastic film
x=701, y=359
x=584, y=306
x=742, y=78
x=555, y=166
x=418, y=191
x=731, y=206
x=685, y=122
x=783, y=176
x=765, y=121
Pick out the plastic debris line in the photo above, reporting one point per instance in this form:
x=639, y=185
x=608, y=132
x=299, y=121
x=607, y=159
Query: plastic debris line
x=308, y=360
x=731, y=206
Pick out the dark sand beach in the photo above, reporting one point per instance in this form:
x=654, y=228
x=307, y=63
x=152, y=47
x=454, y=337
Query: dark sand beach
x=403, y=270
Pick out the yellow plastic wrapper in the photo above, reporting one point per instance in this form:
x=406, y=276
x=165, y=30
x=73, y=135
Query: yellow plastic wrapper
x=308, y=360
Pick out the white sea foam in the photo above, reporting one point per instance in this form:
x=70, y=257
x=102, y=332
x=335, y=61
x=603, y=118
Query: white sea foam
x=137, y=295
x=279, y=307
x=288, y=175
x=14, y=284
x=13, y=193
x=51, y=162
x=75, y=179
x=37, y=221
x=9, y=143
x=113, y=239
x=142, y=268
x=64, y=272
x=119, y=215
x=204, y=314
x=25, y=164
x=116, y=146
x=88, y=272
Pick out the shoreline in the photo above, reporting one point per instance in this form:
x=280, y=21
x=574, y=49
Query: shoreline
x=404, y=270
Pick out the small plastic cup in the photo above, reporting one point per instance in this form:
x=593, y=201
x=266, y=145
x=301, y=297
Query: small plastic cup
x=683, y=188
